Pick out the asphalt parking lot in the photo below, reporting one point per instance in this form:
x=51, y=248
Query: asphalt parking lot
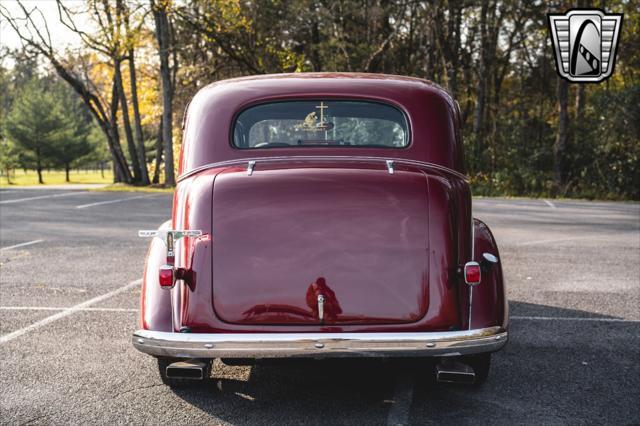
x=70, y=265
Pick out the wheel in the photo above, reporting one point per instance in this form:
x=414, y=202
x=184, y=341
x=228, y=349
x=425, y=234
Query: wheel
x=176, y=383
x=480, y=364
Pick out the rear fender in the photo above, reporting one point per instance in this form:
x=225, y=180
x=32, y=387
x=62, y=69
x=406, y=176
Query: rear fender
x=193, y=210
x=155, y=302
x=489, y=302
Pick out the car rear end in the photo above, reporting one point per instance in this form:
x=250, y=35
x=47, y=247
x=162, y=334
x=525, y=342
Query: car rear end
x=322, y=255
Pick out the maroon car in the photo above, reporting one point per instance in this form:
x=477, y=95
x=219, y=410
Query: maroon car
x=322, y=215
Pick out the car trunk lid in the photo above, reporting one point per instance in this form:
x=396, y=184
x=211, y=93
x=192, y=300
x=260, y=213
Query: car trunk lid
x=316, y=245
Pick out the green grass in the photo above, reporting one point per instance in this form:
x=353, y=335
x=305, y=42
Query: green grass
x=57, y=177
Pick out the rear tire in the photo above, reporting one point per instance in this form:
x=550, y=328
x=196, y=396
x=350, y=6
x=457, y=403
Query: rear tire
x=175, y=383
x=481, y=363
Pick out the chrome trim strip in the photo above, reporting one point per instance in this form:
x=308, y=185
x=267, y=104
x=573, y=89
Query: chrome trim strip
x=241, y=161
x=319, y=345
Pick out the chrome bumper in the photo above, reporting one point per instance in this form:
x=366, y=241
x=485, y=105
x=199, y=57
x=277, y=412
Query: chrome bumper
x=319, y=345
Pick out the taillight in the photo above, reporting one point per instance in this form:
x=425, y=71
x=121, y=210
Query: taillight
x=166, y=276
x=472, y=273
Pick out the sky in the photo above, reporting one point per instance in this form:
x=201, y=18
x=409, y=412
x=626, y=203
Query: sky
x=61, y=35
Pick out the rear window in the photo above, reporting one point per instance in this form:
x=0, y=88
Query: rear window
x=321, y=123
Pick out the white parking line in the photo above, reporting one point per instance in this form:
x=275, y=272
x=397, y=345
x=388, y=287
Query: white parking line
x=535, y=318
x=402, y=399
x=50, y=308
x=66, y=312
x=99, y=203
x=21, y=245
x=550, y=204
x=559, y=240
x=39, y=197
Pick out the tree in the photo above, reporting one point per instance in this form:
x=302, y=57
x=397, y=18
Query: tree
x=160, y=10
x=36, y=124
x=523, y=135
x=9, y=158
x=72, y=146
x=99, y=154
x=11, y=81
x=77, y=125
x=37, y=39
x=158, y=156
x=114, y=40
x=131, y=38
x=562, y=136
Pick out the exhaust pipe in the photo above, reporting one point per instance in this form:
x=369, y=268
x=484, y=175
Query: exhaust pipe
x=449, y=371
x=191, y=369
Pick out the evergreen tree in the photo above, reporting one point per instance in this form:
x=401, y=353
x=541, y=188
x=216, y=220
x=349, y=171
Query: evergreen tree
x=8, y=157
x=38, y=124
x=8, y=154
x=77, y=126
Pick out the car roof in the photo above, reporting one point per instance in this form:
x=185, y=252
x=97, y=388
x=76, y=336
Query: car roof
x=325, y=76
x=329, y=79
x=430, y=110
